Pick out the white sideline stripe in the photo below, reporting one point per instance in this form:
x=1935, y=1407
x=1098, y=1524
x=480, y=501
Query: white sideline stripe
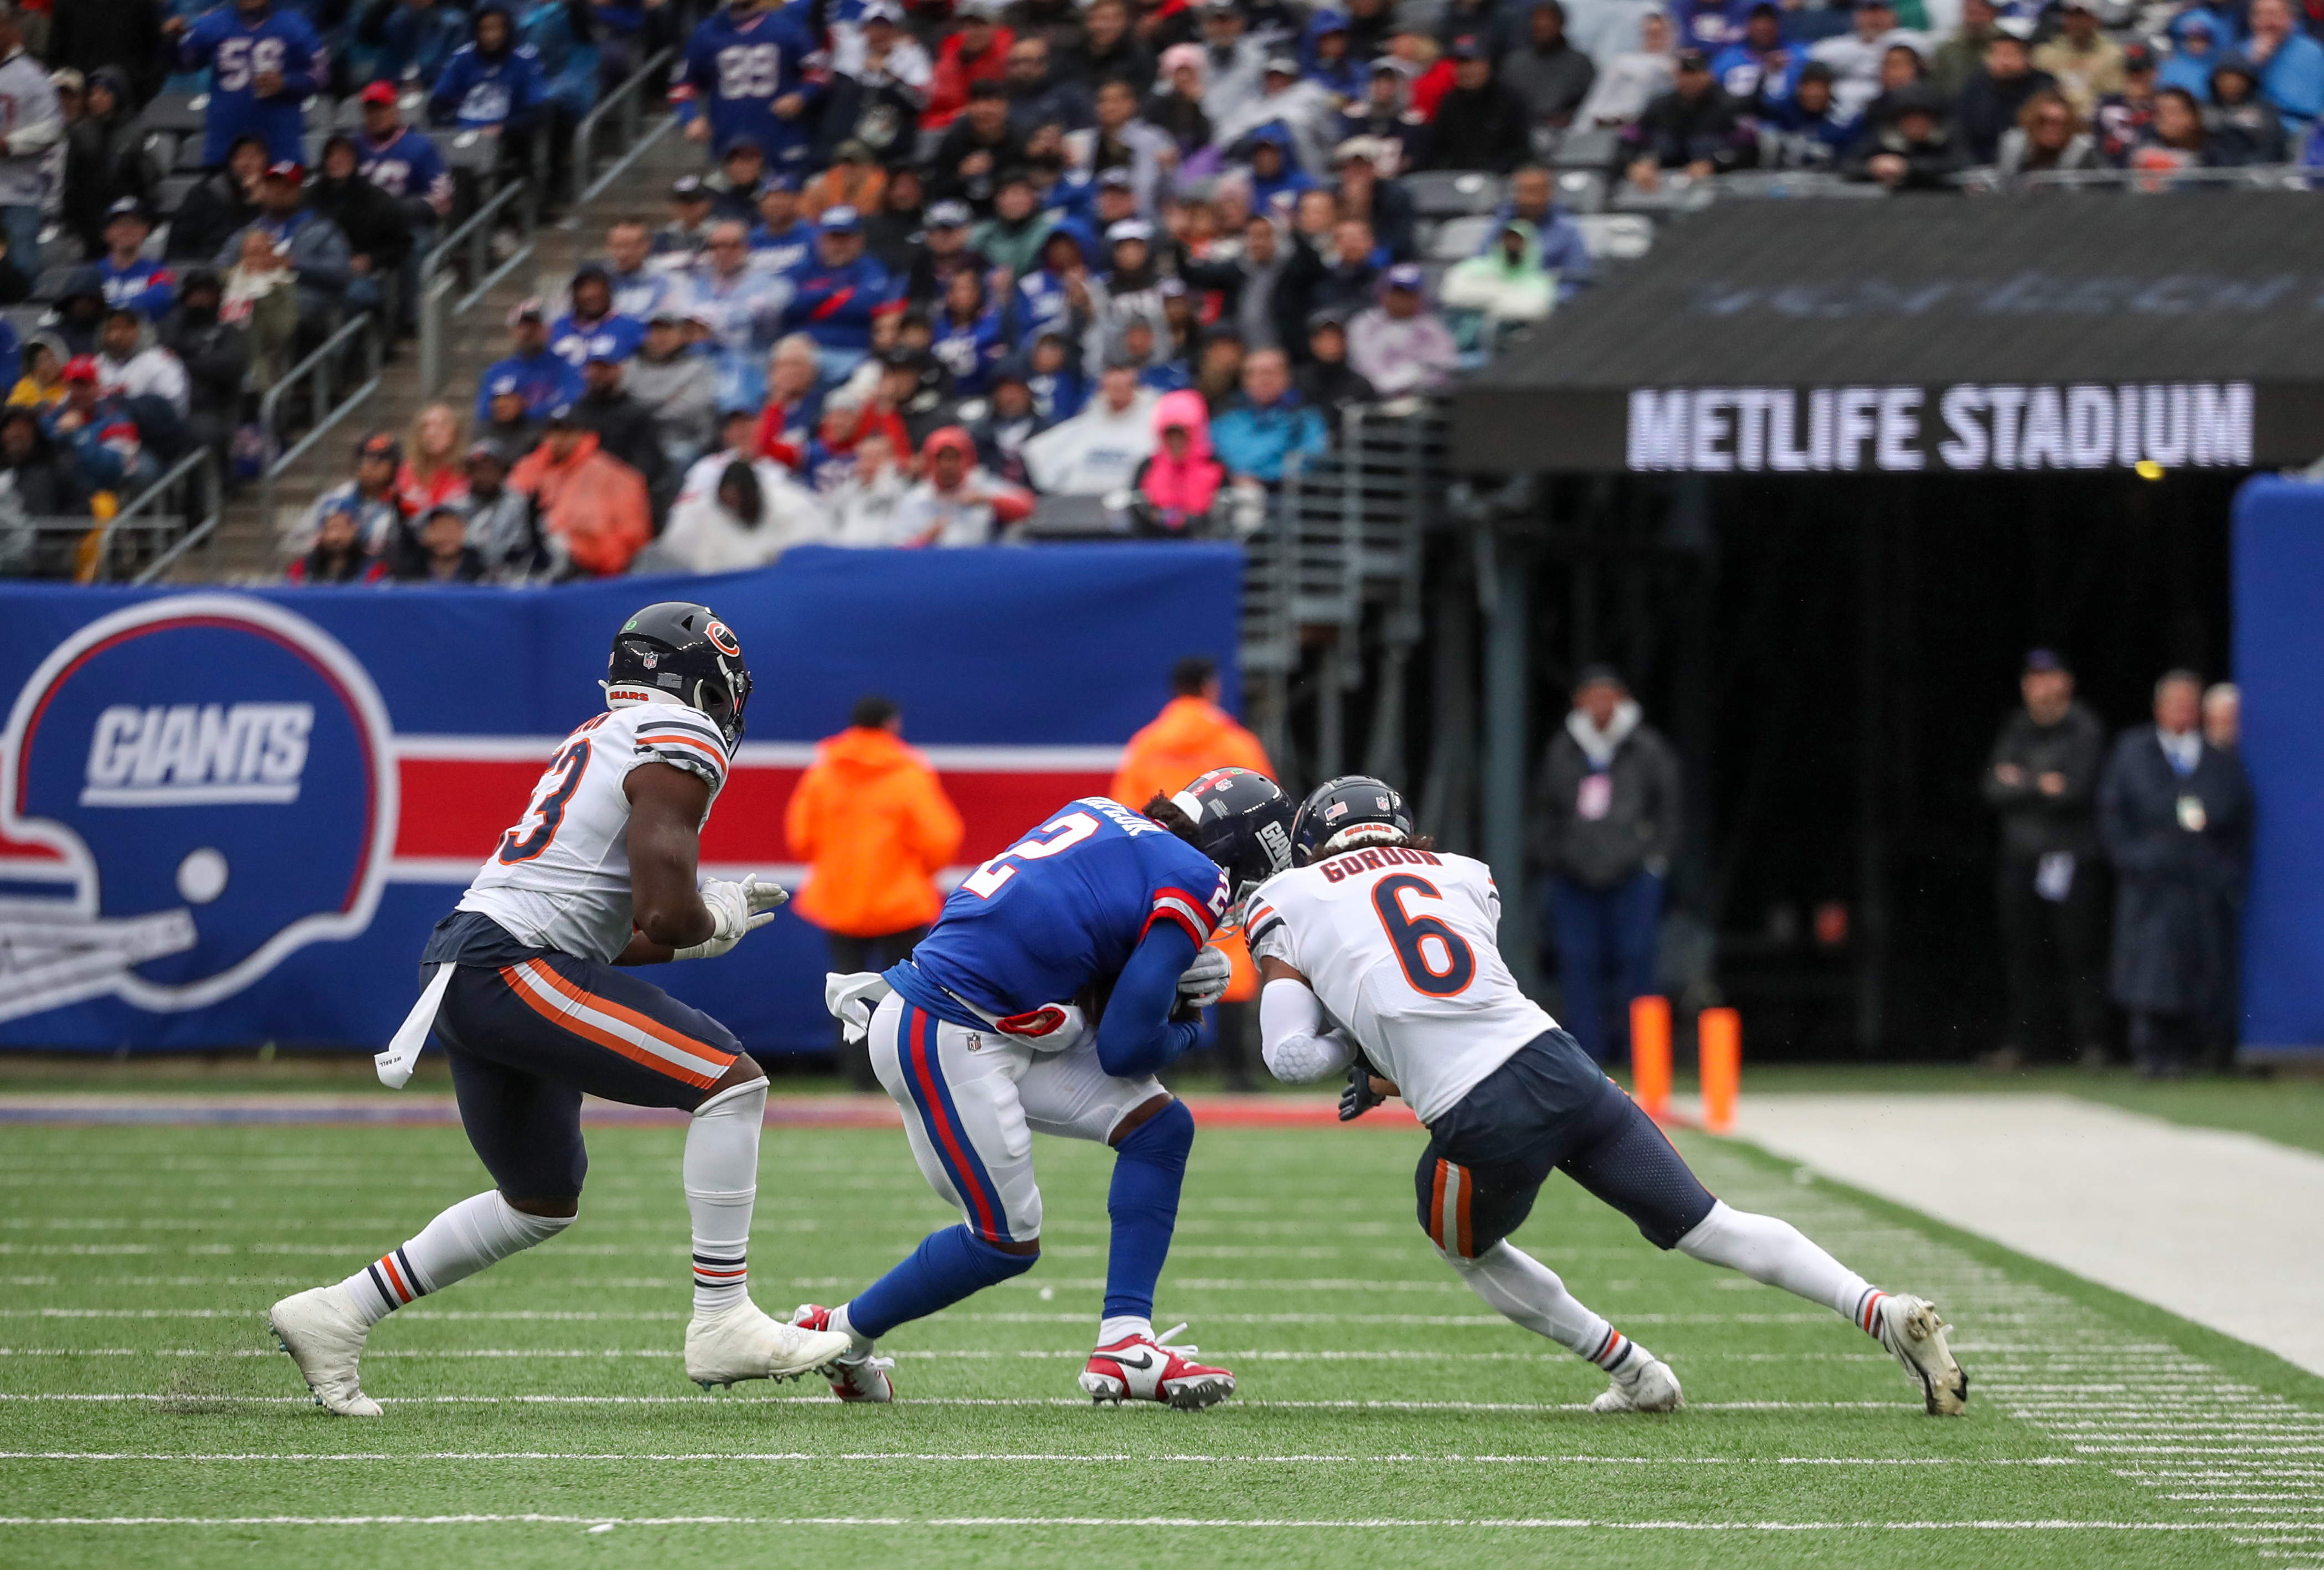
x=1125, y=1457
x=2128, y=1201
x=1080, y=1401
x=1523, y=1523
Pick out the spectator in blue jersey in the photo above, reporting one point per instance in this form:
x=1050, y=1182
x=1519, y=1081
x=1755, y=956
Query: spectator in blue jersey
x=309, y=245
x=1758, y=68
x=742, y=305
x=264, y=64
x=1053, y=375
x=641, y=291
x=592, y=329
x=539, y=379
x=402, y=161
x=1324, y=56
x=838, y=296
x=734, y=189
x=783, y=242
x=746, y=74
x=565, y=35
x=1142, y=346
x=967, y=336
x=2195, y=48
x=148, y=288
x=1266, y=423
x=398, y=41
x=493, y=83
x=1053, y=293
x=1811, y=130
x=1273, y=167
x=2290, y=64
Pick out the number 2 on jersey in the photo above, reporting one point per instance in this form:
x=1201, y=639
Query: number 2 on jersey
x=986, y=880
x=549, y=799
x=1410, y=936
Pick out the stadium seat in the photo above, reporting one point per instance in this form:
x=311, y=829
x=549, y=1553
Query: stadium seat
x=1582, y=190
x=189, y=156
x=349, y=115
x=474, y=150
x=162, y=147
x=1591, y=147
x=50, y=284
x=1068, y=517
x=171, y=193
x=1616, y=236
x=177, y=113
x=25, y=320
x=1457, y=239
x=1439, y=193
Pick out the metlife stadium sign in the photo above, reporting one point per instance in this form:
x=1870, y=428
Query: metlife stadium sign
x=2039, y=335
x=227, y=818
x=1965, y=427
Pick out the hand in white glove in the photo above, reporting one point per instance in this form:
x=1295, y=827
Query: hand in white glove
x=736, y=908
x=1205, y=982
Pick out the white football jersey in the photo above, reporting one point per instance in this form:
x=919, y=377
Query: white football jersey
x=1402, y=948
x=560, y=878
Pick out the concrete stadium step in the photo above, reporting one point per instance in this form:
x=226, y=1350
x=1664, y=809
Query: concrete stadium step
x=248, y=551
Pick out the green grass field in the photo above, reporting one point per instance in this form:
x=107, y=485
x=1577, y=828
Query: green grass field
x=1385, y=1416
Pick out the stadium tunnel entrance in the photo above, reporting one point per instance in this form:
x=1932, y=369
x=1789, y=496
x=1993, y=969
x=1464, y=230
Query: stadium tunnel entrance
x=1816, y=477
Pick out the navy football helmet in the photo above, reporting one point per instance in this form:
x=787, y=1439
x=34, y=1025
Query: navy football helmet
x=1354, y=809
x=1242, y=821
x=681, y=650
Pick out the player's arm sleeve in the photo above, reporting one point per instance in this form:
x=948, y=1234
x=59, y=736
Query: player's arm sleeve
x=1292, y=1039
x=682, y=739
x=1138, y=1037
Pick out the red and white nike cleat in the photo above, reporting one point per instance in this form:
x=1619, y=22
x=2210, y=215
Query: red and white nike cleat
x=1147, y=1368
x=852, y=1379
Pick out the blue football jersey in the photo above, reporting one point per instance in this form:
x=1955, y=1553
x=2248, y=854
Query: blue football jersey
x=737, y=70
x=238, y=50
x=1061, y=908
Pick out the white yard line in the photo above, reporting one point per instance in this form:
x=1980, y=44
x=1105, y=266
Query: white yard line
x=1392, y=1523
x=2224, y=1228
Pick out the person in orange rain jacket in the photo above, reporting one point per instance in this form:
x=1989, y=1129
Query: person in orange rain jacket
x=592, y=501
x=1192, y=735
x=874, y=825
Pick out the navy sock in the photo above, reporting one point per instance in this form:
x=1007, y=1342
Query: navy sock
x=947, y=1266
x=1148, y=1168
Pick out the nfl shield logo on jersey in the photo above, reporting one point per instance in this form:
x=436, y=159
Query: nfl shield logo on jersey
x=190, y=789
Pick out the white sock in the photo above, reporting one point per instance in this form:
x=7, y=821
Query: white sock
x=721, y=1184
x=859, y=1345
x=1780, y=1254
x=1531, y=1294
x=480, y=1231
x=1118, y=1326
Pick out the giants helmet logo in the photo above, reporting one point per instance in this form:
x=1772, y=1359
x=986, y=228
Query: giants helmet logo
x=190, y=789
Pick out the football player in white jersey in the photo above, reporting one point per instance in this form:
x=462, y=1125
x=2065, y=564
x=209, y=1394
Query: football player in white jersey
x=1378, y=958
x=521, y=987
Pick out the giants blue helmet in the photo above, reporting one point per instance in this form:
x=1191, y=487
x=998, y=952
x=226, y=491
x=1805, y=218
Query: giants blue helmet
x=1242, y=821
x=194, y=787
x=1353, y=810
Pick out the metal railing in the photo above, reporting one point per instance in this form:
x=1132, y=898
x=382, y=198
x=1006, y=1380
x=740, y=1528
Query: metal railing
x=191, y=487
x=624, y=106
x=320, y=370
x=438, y=310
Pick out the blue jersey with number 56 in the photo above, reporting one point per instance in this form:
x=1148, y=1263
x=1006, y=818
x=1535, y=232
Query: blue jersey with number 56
x=1060, y=909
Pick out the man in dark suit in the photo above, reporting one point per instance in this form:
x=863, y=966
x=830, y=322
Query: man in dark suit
x=2175, y=813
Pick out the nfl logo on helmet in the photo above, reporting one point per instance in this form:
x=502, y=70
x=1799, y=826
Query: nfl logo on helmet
x=190, y=789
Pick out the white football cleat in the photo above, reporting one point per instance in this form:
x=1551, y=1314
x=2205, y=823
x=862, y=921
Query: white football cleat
x=852, y=1379
x=1654, y=1389
x=1912, y=1328
x=1147, y=1368
x=324, y=1335
x=745, y=1343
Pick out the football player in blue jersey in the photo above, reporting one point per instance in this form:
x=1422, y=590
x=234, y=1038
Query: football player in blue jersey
x=264, y=64
x=1061, y=977
x=753, y=72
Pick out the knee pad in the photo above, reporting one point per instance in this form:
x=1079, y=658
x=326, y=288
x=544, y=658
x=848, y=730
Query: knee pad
x=1162, y=1140
x=522, y=1229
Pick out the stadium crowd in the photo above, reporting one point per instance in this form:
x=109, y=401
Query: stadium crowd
x=944, y=261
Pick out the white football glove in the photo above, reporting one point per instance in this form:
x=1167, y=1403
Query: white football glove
x=736, y=908
x=1205, y=982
